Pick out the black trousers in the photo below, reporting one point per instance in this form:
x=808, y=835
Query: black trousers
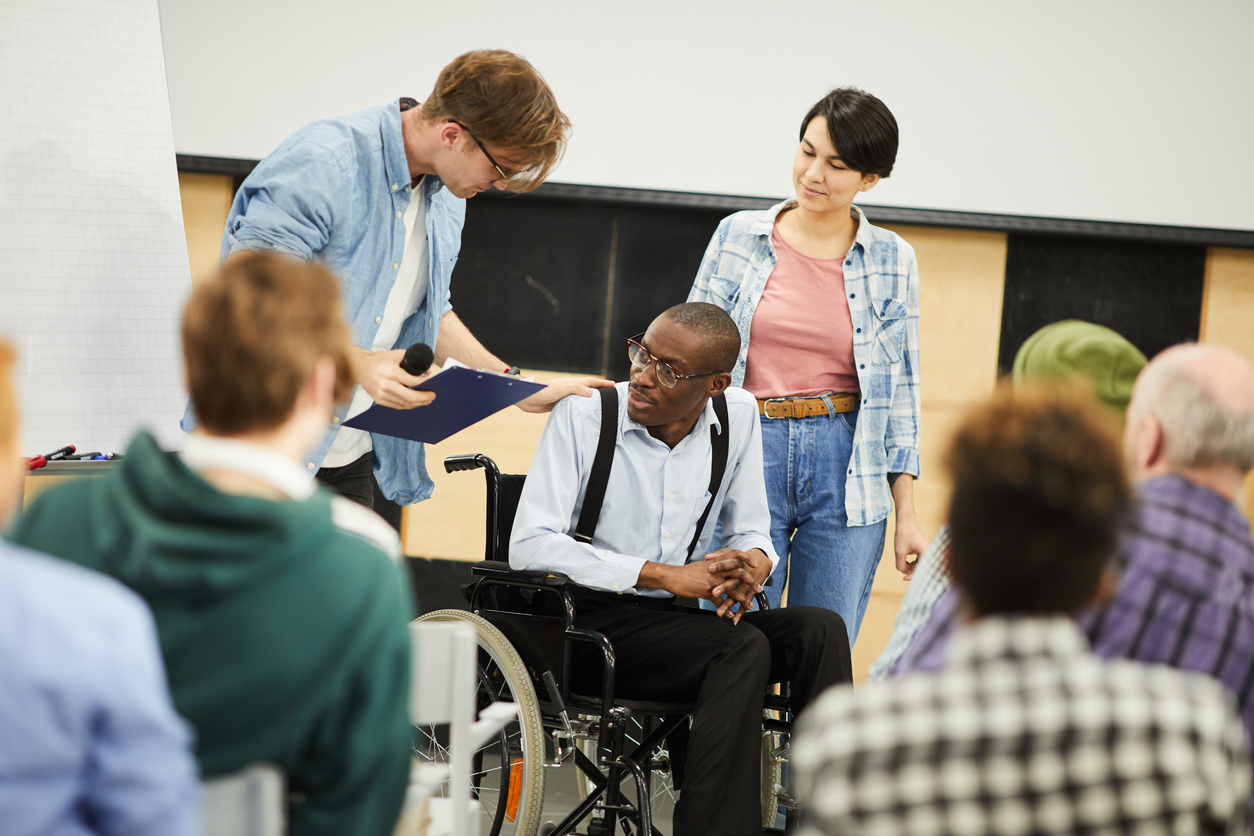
x=680, y=655
x=354, y=480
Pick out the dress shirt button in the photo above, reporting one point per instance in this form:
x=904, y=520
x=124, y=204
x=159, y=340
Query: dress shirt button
x=335, y=419
x=851, y=471
x=670, y=496
x=378, y=319
x=863, y=366
x=395, y=266
x=394, y=187
x=668, y=534
x=848, y=262
x=398, y=214
x=858, y=330
x=616, y=586
x=853, y=295
x=310, y=466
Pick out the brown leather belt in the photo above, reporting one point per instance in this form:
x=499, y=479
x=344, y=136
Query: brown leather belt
x=806, y=407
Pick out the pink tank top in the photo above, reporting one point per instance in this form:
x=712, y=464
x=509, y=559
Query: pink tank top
x=801, y=339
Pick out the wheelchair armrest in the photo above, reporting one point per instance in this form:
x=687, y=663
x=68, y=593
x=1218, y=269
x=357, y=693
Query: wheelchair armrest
x=502, y=571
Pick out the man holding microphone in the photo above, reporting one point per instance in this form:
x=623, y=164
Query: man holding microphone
x=379, y=196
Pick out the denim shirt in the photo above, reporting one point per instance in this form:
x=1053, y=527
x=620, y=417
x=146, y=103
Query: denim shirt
x=882, y=283
x=337, y=190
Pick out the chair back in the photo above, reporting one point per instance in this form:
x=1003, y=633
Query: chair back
x=442, y=691
x=247, y=803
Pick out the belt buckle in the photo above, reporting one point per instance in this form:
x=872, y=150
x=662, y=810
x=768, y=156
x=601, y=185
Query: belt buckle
x=766, y=407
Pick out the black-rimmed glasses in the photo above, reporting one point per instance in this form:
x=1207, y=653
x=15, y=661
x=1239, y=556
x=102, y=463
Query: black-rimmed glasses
x=484, y=149
x=641, y=358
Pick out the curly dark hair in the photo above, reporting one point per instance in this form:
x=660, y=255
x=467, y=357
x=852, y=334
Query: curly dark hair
x=1038, y=492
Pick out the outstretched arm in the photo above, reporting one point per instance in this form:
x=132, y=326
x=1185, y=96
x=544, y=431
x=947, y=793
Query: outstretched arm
x=457, y=342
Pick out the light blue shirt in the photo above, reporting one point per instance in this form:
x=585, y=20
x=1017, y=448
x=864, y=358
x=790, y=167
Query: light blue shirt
x=653, y=501
x=89, y=740
x=882, y=287
x=337, y=190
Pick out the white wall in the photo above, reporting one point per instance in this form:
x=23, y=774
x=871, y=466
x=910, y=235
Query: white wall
x=1125, y=111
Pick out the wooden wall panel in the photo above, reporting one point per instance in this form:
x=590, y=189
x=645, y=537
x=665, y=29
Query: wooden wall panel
x=1228, y=316
x=961, y=280
x=206, y=200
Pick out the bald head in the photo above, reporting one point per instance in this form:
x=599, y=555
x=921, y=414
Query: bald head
x=1201, y=400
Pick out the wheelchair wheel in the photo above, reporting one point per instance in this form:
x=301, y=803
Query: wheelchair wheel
x=508, y=774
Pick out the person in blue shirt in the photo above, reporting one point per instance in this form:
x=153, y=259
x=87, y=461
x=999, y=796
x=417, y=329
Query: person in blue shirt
x=653, y=543
x=380, y=198
x=89, y=740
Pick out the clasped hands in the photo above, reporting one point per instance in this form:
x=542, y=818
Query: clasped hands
x=726, y=578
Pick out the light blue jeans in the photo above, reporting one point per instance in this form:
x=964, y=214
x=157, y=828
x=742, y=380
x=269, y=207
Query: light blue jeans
x=824, y=561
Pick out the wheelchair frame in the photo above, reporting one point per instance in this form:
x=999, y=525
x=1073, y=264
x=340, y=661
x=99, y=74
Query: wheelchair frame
x=605, y=800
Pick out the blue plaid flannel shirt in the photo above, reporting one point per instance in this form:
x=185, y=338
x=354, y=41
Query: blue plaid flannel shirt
x=882, y=283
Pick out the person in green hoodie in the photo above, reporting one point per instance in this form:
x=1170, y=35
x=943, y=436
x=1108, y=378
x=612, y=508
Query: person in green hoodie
x=280, y=608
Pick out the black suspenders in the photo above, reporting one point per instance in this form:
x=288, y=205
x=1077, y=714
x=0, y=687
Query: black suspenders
x=594, y=496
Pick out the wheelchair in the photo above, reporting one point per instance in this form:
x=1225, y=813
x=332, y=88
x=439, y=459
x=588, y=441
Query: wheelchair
x=524, y=622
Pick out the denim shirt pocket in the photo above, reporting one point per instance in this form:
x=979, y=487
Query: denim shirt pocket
x=726, y=291
x=890, y=331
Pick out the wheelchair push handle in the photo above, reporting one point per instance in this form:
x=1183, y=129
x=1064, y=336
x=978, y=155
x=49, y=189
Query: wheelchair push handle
x=452, y=464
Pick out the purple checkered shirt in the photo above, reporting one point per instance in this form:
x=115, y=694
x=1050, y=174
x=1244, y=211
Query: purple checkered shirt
x=1185, y=597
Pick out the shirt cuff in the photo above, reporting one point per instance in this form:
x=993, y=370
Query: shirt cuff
x=619, y=575
x=745, y=542
x=903, y=460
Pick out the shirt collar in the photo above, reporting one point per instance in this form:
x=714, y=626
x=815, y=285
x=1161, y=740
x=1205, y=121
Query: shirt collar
x=765, y=225
x=1003, y=638
x=1173, y=489
x=625, y=423
x=395, y=163
x=201, y=452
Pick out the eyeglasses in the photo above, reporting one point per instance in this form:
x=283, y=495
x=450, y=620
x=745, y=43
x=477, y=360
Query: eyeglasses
x=483, y=148
x=641, y=358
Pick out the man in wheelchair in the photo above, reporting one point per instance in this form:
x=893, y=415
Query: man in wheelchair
x=686, y=453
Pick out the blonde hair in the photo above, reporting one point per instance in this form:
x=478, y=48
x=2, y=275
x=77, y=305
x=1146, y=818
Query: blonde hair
x=252, y=336
x=503, y=101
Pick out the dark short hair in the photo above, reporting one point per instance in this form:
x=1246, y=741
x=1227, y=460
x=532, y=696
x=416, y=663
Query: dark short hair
x=861, y=127
x=505, y=102
x=720, y=339
x=1038, y=492
x=252, y=335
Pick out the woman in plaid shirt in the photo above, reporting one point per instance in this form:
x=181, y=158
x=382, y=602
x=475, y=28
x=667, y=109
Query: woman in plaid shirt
x=828, y=311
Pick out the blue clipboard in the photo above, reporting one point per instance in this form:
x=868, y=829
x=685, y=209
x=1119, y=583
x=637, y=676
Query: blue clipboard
x=463, y=397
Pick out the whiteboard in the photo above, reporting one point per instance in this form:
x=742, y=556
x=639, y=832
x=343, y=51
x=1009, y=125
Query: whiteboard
x=1089, y=109
x=93, y=261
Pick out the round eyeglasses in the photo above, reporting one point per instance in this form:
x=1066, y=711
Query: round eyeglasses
x=641, y=358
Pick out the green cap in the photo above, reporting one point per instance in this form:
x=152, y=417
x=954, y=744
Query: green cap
x=1072, y=348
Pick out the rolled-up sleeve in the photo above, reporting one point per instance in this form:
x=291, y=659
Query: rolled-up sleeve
x=901, y=437
x=541, y=539
x=287, y=204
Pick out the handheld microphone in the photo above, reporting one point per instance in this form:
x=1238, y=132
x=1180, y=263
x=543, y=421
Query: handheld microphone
x=418, y=358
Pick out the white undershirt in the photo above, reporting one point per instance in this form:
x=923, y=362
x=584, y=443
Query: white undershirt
x=413, y=277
